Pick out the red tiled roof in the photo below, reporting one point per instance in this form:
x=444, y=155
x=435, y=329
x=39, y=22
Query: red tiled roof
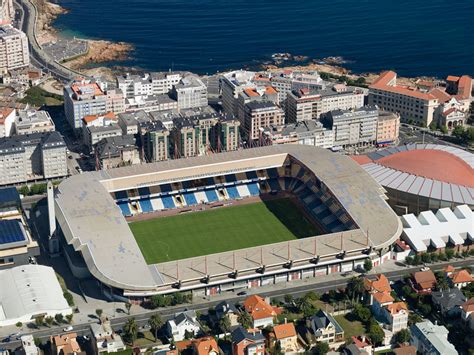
x=283, y=331
x=258, y=308
x=425, y=279
x=382, y=83
x=468, y=306
x=461, y=276
x=452, y=78
x=441, y=95
x=381, y=284
x=383, y=297
x=396, y=307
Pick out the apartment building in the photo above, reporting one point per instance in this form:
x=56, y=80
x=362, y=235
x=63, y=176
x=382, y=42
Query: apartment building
x=156, y=141
x=86, y=97
x=14, y=53
x=190, y=92
x=116, y=151
x=232, y=84
x=429, y=338
x=412, y=104
x=352, y=127
x=151, y=103
x=258, y=115
x=307, y=104
x=32, y=156
x=7, y=12
x=128, y=121
x=228, y=133
x=261, y=93
x=98, y=127
x=304, y=132
x=33, y=121
x=388, y=128
x=148, y=84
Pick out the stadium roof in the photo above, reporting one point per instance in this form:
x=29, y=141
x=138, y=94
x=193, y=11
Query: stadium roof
x=93, y=223
x=29, y=290
x=437, y=171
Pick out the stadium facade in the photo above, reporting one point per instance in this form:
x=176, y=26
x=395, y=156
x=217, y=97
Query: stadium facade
x=341, y=197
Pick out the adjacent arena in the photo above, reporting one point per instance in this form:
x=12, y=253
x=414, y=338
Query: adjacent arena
x=261, y=216
x=421, y=177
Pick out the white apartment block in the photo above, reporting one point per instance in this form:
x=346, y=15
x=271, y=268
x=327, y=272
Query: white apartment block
x=259, y=115
x=32, y=121
x=307, y=104
x=148, y=84
x=86, y=97
x=232, y=84
x=31, y=157
x=190, y=92
x=14, y=53
x=353, y=127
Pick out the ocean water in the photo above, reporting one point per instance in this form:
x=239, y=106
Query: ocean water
x=413, y=37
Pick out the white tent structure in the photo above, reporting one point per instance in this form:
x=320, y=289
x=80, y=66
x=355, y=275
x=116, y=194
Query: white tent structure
x=28, y=291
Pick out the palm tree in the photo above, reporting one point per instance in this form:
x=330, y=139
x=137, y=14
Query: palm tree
x=39, y=321
x=245, y=319
x=155, y=323
x=304, y=306
x=442, y=283
x=69, y=317
x=99, y=314
x=59, y=318
x=355, y=288
x=128, y=306
x=131, y=330
x=49, y=321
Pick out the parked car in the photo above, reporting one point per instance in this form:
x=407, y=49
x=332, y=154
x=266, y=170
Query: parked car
x=68, y=328
x=425, y=268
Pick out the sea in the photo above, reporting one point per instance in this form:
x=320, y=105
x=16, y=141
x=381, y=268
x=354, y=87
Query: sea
x=412, y=37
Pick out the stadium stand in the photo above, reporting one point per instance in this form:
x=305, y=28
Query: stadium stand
x=190, y=198
x=146, y=206
x=233, y=193
x=253, y=189
x=125, y=208
x=211, y=195
x=168, y=202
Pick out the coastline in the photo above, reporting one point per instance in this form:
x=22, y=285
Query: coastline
x=99, y=51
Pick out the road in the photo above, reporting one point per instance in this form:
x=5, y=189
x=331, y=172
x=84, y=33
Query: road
x=203, y=307
x=38, y=57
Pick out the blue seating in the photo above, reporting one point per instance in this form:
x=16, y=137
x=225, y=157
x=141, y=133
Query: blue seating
x=168, y=202
x=119, y=195
x=233, y=193
x=230, y=178
x=253, y=189
x=190, y=198
x=144, y=191
x=211, y=195
x=125, y=208
x=146, y=205
x=272, y=173
x=251, y=175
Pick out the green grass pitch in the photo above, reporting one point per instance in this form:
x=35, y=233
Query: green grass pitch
x=223, y=229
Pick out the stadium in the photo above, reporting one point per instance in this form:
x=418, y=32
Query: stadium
x=223, y=222
x=421, y=177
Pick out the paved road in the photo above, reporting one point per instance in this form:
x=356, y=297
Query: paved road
x=38, y=57
x=321, y=287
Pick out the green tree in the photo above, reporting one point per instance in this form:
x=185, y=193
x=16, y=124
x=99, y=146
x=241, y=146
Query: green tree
x=417, y=259
x=99, y=313
x=155, y=322
x=355, y=288
x=178, y=298
x=160, y=301
x=305, y=306
x=289, y=300
x=225, y=324
x=131, y=330
x=414, y=318
x=245, y=319
x=128, y=306
x=49, y=321
x=69, y=317
x=321, y=348
x=449, y=253
x=312, y=296
x=68, y=296
x=362, y=313
x=376, y=334
x=444, y=129
x=425, y=309
x=59, y=318
x=433, y=126
x=19, y=324
x=442, y=283
x=458, y=132
x=403, y=336
x=426, y=257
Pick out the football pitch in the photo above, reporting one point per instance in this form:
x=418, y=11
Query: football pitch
x=219, y=230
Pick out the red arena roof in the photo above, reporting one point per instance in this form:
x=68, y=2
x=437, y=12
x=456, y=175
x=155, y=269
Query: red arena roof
x=433, y=164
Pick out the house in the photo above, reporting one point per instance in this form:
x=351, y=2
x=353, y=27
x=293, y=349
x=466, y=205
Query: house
x=363, y=344
x=467, y=313
x=226, y=309
x=423, y=282
x=449, y=270
x=262, y=312
x=405, y=350
x=182, y=324
x=461, y=278
x=379, y=285
x=448, y=302
x=380, y=300
x=352, y=349
x=28, y=346
x=429, y=338
x=285, y=335
x=246, y=342
x=104, y=339
x=400, y=250
x=205, y=346
x=396, y=316
x=65, y=344
x=326, y=328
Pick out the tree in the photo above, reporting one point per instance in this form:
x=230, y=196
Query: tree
x=433, y=126
x=449, y=253
x=155, y=322
x=69, y=317
x=414, y=318
x=160, y=301
x=131, y=330
x=403, y=336
x=68, y=296
x=19, y=324
x=425, y=309
x=59, y=318
x=426, y=257
x=128, y=306
x=305, y=306
x=312, y=296
x=225, y=324
x=362, y=313
x=417, y=259
x=99, y=313
x=444, y=129
x=39, y=320
x=245, y=319
x=289, y=300
x=177, y=298
x=49, y=321
x=321, y=348
x=442, y=283
x=355, y=288
x=376, y=333
x=458, y=132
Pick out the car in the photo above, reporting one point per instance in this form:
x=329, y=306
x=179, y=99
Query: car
x=6, y=340
x=425, y=268
x=69, y=157
x=242, y=293
x=68, y=328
